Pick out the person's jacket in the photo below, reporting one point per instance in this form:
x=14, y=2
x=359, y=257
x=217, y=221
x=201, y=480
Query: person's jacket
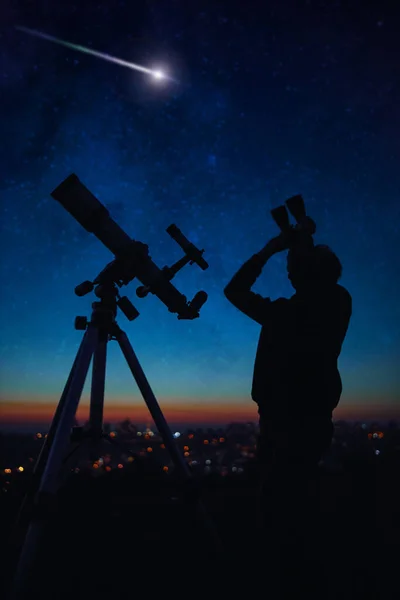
x=295, y=372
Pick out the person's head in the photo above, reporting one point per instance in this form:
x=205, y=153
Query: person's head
x=316, y=266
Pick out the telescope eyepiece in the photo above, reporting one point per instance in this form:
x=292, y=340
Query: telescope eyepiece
x=199, y=299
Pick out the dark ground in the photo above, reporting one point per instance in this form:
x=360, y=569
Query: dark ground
x=123, y=536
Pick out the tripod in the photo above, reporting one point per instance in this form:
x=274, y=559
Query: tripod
x=98, y=332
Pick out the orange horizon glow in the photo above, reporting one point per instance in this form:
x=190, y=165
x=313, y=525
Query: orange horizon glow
x=218, y=412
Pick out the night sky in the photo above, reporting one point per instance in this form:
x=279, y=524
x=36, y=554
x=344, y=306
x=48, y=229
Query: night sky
x=287, y=98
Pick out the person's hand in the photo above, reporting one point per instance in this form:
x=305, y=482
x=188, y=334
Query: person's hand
x=278, y=243
x=306, y=225
x=275, y=245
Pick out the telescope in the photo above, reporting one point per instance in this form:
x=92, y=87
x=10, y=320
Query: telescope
x=299, y=235
x=132, y=259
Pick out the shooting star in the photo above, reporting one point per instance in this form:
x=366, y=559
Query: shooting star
x=157, y=74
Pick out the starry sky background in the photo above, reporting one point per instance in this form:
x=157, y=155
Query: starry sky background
x=290, y=97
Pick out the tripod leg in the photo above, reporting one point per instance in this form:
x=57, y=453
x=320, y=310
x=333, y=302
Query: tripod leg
x=45, y=449
x=98, y=383
x=162, y=426
x=152, y=403
x=48, y=484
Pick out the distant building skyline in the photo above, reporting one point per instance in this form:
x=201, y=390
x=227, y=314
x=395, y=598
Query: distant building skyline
x=28, y=416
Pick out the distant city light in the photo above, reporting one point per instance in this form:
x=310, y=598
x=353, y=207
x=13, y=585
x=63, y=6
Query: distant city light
x=208, y=459
x=113, y=434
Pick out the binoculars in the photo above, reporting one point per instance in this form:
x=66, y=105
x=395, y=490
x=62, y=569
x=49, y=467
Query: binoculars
x=299, y=235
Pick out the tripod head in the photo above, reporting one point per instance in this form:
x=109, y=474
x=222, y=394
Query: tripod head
x=131, y=256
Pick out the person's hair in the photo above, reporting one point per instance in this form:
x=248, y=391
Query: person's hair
x=319, y=264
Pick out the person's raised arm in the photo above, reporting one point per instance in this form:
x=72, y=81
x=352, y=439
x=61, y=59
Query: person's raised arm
x=238, y=291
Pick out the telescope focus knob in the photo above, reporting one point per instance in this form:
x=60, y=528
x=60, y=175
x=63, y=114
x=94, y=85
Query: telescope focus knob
x=142, y=291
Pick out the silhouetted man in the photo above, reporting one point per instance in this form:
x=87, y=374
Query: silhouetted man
x=296, y=382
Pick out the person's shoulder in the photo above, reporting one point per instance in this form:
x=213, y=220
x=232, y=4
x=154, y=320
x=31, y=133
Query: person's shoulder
x=280, y=306
x=343, y=292
x=274, y=310
x=344, y=300
x=280, y=301
x=277, y=304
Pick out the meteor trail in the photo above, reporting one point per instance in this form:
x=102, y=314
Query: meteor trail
x=157, y=74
